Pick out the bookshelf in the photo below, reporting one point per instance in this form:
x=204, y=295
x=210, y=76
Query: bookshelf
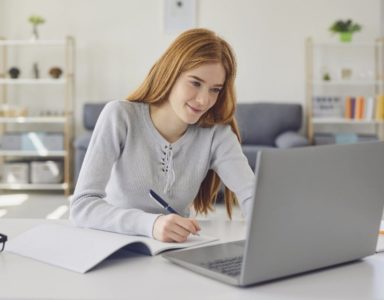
x=29, y=123
x=336, y=74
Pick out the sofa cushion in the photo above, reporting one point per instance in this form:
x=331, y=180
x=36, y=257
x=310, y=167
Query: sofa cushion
x=291, y=139
x=260, y=123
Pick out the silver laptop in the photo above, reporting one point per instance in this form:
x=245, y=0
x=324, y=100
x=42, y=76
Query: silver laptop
x=313, y=207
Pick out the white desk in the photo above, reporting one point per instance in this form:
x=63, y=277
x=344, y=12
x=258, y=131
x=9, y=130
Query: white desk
x=144, y=277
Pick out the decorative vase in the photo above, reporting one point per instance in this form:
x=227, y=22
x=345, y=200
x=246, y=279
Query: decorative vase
x=345, y=37
x=55, y=72
x=35, y=33
x=14, y=72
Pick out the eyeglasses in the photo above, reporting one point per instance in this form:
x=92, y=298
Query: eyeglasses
x=3, y=239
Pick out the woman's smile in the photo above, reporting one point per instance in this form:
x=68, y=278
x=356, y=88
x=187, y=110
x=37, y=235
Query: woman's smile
x=194, y=109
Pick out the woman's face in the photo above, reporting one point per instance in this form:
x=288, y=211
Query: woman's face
x=196, y=91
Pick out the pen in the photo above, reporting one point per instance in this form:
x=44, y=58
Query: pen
x=162, y=202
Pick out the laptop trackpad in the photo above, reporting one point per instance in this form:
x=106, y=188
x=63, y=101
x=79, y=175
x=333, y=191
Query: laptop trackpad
x=201, y=255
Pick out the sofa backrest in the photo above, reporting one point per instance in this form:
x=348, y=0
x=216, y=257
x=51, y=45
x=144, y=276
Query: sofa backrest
x=91, y=112
x=260, y=123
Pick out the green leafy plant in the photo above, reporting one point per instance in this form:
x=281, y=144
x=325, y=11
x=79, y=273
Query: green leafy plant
x=341, y=26
x=326, y=77
x=36, y=20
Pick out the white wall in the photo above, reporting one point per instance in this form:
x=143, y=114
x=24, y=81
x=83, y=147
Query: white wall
x=1, y=18
x=269, y=38
x=118, y=40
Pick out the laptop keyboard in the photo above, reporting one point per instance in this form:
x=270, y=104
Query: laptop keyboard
x=230, y=266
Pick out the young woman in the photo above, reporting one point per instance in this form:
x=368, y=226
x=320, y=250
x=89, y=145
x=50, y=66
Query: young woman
x=175, y=135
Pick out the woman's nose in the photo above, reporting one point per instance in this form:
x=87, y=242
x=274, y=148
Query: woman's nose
x=203, y=97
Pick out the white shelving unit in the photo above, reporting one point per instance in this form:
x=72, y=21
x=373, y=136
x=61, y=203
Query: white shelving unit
x=344, y=121
x=19, y=120
x=314, y=82
x=24, y=123
x=60, y=42
x=346, y=83
x=25, y=153
x=33, y=81
x=31, y=186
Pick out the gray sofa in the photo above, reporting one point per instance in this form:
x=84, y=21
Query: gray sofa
x=269, y=125
x=262, y=125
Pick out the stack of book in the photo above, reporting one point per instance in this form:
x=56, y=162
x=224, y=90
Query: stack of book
x=361, y=108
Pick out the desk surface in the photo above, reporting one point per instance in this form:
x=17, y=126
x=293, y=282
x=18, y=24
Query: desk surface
x=144, y=277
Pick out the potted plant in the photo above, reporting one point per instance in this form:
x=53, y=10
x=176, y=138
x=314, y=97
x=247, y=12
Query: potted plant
x=35, y=21
x=345, y=29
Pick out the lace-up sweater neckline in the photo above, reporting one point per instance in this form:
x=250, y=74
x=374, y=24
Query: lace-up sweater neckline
x=166, y=160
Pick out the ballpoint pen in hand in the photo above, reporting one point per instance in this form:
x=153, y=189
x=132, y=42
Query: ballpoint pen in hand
x=162, y=202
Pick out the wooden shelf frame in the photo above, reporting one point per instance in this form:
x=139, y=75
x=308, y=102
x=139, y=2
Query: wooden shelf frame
x=67, y=121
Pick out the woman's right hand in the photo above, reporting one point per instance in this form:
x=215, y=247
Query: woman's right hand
x=174, y=228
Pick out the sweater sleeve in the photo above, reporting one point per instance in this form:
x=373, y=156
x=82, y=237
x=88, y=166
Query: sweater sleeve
x=88, y=206
x=229, y=162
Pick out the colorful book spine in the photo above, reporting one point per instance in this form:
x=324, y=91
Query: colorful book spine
x=369, y=108
x=379, y=110
x=348, y=108
x=353, y=107
x=359, y=108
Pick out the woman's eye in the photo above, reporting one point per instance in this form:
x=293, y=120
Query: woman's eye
x=216, y=90
x=196, y=83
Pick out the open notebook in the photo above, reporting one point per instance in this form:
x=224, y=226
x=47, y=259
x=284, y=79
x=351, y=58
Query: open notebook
x=80, y=249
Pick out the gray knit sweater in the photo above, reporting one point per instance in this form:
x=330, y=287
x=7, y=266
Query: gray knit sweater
x=127, y=156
